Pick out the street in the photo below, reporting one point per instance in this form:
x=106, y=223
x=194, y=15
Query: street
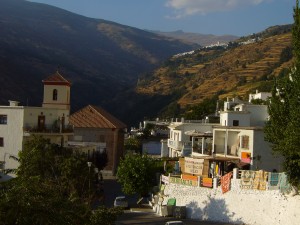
x=139, y=214
x=148, y=218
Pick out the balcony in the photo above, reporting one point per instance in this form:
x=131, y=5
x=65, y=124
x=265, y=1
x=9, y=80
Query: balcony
x=177, y=145
x=232, y=150
x=206, y=150
x=51, y=130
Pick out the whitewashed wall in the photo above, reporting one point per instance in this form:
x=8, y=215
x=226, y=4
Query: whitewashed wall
x=251, y=207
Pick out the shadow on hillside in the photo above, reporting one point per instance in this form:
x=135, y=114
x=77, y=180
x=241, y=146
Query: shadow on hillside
x=214, y=210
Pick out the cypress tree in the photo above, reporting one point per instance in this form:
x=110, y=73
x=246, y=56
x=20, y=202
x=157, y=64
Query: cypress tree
x=283, y=127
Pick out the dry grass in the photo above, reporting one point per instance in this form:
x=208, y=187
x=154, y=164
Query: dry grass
x=233, y=72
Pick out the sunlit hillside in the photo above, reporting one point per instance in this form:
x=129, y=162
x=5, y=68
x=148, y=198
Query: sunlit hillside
x=236, y=70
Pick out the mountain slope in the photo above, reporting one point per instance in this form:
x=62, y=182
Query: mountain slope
x=200, y=39
x=100, y=58
x=235, y=70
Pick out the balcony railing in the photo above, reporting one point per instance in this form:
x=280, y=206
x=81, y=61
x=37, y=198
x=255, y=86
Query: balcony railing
x=232, y=150
x=48, y=129
x=175, y=144
x=179, y=145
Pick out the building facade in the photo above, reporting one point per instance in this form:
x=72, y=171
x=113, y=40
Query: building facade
x=97, y=130
x=240, y=135
x=19, y=123
x=180, y=142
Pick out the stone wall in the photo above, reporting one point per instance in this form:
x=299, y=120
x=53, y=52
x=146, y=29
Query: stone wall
x=238, y=206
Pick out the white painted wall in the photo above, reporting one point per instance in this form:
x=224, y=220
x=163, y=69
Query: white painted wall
x=260, y=95
x=226, y=118
x=63, y=96
x=178, y=129
x=20, y=117
x=259, y=114
x=268, y=160
x=237, y=206
x=12, y=133
x=51, y=115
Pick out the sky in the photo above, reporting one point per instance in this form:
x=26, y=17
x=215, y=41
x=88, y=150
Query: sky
x=218, y=17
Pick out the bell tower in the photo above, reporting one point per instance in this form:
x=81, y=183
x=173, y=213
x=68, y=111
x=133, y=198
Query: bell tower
x=56, y=92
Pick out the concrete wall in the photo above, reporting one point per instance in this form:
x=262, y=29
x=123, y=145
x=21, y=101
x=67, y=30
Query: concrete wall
x=226, y=118
x=12, y=133
x=259, y=114
x=238, y=206
x=114, y=139
x=63, y=97
x=51, y=115
x=267, y=161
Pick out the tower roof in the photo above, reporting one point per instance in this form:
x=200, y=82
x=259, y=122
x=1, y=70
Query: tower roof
x=56, y=79
x=95, y=117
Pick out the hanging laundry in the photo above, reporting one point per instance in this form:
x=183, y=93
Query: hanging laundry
x=217, y=170
x=226, y=182
x=207, y=182
x=247, y=177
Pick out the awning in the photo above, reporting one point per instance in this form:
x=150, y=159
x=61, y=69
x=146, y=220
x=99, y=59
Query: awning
x=196, y=133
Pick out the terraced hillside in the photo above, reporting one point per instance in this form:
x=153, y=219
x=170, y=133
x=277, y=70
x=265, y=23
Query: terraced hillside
x=235, y=70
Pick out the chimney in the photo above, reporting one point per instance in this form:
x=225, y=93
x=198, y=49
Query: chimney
x=13, y=103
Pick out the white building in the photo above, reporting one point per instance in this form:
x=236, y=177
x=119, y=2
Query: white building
x=245, y=115
x=180, y=142
x=240, y=135
x=19, y=123
x=237, y=141
x=259, y=95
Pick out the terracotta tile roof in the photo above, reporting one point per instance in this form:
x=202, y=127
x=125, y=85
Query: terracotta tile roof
x=95, y=117
x=56, y=77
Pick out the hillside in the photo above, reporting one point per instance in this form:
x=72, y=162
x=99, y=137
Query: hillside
x=235, y=70
x=100, y=58
x=200, y=39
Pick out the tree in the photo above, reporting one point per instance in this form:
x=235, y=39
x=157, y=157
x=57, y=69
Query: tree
x=199, y=111
x=137, y=173
x=133, y=144
x=105, y=215
x=61, y=166
x=30, y=201
x=283, y=127
x=51, y=187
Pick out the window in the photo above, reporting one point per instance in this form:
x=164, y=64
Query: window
x=245, y=141
x=55, y=95
x=235, y=123
x=1, y=142
x=3, y=119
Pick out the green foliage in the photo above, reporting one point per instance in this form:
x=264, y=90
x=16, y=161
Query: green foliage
x=283, y=129
x=286, y=54
x=105, y=216
x=136, y=173
x=206, y=107
x=51, y=187
x=147, y=131
x=171, y=111
x=99, y=159
x=133, y=144
x=258, y=102
x=32, y=201
x=50, y=162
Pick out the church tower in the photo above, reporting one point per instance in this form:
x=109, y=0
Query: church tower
x=56, y=92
